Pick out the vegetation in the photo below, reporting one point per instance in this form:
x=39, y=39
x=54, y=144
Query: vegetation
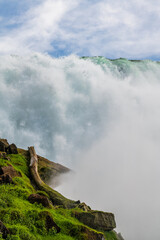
x=26, y=221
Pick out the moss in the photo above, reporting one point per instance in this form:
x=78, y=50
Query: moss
x=111, y=235
x=24, y=220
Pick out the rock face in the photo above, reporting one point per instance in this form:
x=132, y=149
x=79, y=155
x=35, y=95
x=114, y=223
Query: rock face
x=50, y=171
x=12, y=149
x=39, y=199
x=7, y=173
x=97, y=220
x=83, y=206
x=10, y=171
x=3, y=230
x=3, y=145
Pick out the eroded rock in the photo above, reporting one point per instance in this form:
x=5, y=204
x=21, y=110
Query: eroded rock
x=10, y=171
x=84, y=207
x=3, y=145
x=12, y=149
x=39, y=199
x=97, y=220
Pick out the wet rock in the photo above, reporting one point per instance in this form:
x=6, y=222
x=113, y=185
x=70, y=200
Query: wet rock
x=10, y=171
x=3, y=230
x=97, y=220
x=84, y=207
x=5, y=179
x=3, y=145
x=39, y=199
x=12, y=149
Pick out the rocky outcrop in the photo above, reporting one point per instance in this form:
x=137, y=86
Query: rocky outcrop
x=84, y=207
x=3, y=145
x=12, y=149
x=7, y=173
x=102, y=221
x=3, y=230
x=56, y=197
x=39, y=199
x=10, y=171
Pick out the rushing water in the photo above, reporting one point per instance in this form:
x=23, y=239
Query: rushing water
x=96, y=115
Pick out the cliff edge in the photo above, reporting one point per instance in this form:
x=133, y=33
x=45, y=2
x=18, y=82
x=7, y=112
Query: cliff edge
x=31, y=210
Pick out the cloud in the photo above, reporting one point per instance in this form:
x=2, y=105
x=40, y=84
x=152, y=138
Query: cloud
x=37, y=27
x=112, y=29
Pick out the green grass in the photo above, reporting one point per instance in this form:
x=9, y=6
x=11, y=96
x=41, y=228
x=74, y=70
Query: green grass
x=111, y=235
x=26, y=221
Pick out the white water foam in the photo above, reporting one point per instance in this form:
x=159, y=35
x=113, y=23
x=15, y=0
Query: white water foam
x=97, y=116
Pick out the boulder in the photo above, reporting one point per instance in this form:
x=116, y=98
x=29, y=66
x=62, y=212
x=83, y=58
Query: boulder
x=98, y=220
x=12, y=149
x=3, y=230
x=84, y=207
x=3, y=145
x=10, y=171
x=5, y=178
x=39, y=199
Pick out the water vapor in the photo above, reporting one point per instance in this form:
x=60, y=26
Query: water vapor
x=97, y=116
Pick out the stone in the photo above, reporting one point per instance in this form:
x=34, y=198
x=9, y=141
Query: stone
x=39, y=199
x=10, y=170
x=3, y=230
x=6, y=178
x=84, y=207
x=3, y=145
x=98, y=220
x=12, y=149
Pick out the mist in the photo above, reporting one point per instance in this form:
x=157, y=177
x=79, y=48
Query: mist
x=98, y=117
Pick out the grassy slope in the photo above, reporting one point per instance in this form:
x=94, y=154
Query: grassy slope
x=24, y=219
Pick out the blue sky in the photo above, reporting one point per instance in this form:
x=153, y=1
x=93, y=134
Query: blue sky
x=107, y=28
